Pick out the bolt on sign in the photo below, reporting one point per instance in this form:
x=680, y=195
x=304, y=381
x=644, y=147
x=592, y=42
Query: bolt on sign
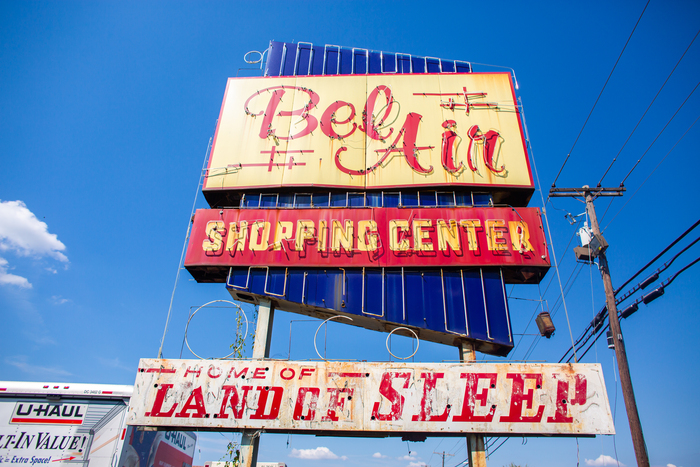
x=377, y=399
x=369, y=132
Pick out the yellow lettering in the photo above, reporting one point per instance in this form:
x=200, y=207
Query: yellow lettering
x=448, y=235
x=306, y=230
x=322, y=236
x=495, y=235
x=342, y=236
x=520, y=236
x=367, y=236
x=420, y=235
x=213, y=232
x=237, y=235
x=282, y=232
x=398, y=228
x=259, y=236
x=471, y=225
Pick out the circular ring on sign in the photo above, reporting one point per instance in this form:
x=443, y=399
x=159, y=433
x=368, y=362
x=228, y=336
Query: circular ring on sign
x=240, y=310
x=245, y=57
x=319, y=328
x=414, y=335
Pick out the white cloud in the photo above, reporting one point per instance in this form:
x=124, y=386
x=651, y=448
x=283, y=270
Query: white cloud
x=603, y=460
x=379, y=455
x=320, y=452
x=22, y=232
x=21, y=362
x=670, y=465
x=59, y=300
x=11, y=279
x=416, y=464
x=25, y=235
x=409, y=457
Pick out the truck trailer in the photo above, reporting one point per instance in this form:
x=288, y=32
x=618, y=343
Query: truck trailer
x=81, y=425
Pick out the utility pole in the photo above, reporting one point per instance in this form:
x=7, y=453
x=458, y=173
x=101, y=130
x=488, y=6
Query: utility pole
x=590, y=194
x=443, y=456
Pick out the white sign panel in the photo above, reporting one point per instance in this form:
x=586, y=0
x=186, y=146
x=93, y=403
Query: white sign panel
x=372, y=398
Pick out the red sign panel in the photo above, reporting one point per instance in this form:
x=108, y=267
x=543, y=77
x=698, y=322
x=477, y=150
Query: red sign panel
x=368, y=237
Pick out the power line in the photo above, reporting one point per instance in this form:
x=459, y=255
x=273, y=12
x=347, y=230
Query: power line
x=652, y=172
x=647, y=110
x=601, y=93
x=657, y=136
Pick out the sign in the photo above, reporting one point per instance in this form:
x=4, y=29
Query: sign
x=372, y=237
x=49, y=413
x=386, y=399
x=369, y=132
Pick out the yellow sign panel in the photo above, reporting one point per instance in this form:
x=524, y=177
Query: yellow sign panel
x=369, y=132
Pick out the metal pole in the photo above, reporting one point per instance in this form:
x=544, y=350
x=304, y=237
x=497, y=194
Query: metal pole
x=640, y=448
x=250, y=440
x=476, y=451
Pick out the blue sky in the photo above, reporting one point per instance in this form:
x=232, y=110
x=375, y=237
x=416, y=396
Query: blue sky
x=106, y=109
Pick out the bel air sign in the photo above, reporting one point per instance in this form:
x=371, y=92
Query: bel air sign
x=382, y=399
x=369, y=132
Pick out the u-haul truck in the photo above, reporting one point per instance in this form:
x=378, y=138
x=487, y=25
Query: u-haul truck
x=81, y=425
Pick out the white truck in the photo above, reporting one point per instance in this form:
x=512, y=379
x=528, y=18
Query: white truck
x=81, y=425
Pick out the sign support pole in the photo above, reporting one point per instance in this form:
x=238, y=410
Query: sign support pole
x=590, y=194
x=476, y=450
x=250, y=440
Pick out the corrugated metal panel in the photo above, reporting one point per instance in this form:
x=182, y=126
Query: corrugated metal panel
x=306, y=59
x=440, y=304
x=380, y=399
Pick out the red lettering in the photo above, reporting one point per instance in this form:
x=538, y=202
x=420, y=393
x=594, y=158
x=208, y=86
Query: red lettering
x=426, y=403
x=396, y=399
x=306, y=372
x=449, y=147
x=490, y=141
x=212, y=367
x=409, y=150
x=290, y=376
x=157, y=409
x=259, y=373
x=328, y=120
x=262, y=403
x=240, y=374
x=370, y=125
x=237, y=404
x=194, y=402
x=472, y=396
x=313, y=403
x=561, y=411
x=518, y=396
x=270, y=112
x=336, y=403
x=196, y=372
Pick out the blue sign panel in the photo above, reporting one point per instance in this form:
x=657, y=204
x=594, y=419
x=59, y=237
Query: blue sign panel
x=440, y=305
x=306, y=59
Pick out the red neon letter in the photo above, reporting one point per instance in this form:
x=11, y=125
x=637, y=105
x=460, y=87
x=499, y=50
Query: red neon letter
x=518, y=396
x=396, y=399
x=426, y=402
x=471, y=397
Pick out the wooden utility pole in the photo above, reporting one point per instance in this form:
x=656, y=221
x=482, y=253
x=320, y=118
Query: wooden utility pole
x=443, y=456
x=590, y=194
x=476, y=449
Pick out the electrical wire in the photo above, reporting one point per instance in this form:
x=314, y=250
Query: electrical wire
x=647, y=110
x=544, y=211
x=601, y=93
x=649, y=176
x=184, y=247
x=660, y=133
